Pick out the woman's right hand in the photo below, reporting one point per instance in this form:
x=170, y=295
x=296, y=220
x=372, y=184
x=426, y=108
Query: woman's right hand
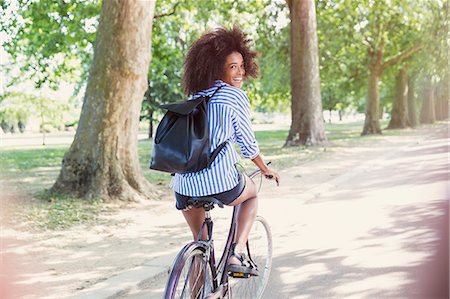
x=271, y=175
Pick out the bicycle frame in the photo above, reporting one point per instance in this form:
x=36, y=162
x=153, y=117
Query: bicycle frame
x=220, y=289
x=210, y=252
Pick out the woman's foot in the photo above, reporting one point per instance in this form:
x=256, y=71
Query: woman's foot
x=240, y=266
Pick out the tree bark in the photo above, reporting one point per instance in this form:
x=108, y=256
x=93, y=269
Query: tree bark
x=442, y=100
x=102, y=161
x=307, y=126
x=399, y=116
x=427, y=113
x=372, y=120
x=412, y=110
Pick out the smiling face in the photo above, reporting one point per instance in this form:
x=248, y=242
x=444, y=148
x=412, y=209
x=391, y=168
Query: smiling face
x=233, y=70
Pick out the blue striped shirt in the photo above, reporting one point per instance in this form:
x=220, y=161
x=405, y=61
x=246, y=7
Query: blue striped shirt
x=228, y=120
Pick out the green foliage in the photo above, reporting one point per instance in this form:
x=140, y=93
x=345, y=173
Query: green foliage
x=54, y=40
x=17, y=108
x=50, y=40
x=433, y=60
x=349, y=31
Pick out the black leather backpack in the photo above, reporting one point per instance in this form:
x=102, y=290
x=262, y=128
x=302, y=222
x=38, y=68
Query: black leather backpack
x=182, y=141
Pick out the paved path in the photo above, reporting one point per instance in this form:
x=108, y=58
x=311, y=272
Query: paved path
x=378, y=228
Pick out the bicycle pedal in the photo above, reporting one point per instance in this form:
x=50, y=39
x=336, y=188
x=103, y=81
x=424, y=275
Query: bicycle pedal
x=239, y=275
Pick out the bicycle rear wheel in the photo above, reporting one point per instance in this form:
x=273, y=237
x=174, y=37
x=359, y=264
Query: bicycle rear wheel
x=260, y=243
x=191, y=275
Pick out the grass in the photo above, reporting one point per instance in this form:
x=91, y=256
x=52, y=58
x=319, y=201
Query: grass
x=15, y=160
x=34, y=170
x=61, y=212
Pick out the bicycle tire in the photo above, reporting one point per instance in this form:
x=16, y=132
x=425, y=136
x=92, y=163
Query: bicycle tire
x=183, y=281
x=260, y=243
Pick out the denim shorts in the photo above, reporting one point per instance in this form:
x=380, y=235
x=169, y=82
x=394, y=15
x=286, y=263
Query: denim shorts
x=226, y=197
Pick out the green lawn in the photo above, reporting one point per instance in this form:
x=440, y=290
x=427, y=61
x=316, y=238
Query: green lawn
x=41, y=165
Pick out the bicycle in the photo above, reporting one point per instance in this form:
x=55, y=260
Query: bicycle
x=195, y=274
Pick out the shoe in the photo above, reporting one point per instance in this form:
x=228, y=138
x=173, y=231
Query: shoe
x=246, y=269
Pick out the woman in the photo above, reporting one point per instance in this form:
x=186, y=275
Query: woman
x=216, y=64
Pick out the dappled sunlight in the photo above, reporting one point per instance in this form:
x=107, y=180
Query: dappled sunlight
x=373, y=286
x=303, y=273
x=375, y=237
x=87, y=257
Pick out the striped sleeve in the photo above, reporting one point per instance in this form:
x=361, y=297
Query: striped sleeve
x=245, y=136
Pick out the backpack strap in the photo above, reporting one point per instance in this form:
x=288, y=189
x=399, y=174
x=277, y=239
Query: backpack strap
x=214, y=93
x=216, y=152
x=222, y=145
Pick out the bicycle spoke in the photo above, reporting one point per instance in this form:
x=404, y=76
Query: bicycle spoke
x=193, y=278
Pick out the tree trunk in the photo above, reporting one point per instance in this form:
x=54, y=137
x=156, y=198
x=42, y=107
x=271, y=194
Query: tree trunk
x=412, y=110
x=399, y=116
x=102, y=161
x=372, y=120
x=427, y=113
x=150, y=111
x=442, y=101
x=307, y=126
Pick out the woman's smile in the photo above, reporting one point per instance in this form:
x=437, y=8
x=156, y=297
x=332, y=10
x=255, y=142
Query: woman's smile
x=234, y=70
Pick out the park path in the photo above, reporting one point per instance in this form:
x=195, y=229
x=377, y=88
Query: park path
x=365, y=221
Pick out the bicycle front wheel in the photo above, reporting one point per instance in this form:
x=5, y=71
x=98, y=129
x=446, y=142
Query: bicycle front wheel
x=191, y=275
x=260, y=244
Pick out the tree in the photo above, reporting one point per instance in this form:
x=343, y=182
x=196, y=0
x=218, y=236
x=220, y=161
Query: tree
x=307, y=119
x=412, y=110
x=442, y=100
x=399, y=116
x=427, y=113
x=102, y=161
x=383, y=20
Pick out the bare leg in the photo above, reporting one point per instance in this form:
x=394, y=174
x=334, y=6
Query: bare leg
x=246, y=214
x=195, y=217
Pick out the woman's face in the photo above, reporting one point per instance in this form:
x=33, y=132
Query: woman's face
x=234, y=72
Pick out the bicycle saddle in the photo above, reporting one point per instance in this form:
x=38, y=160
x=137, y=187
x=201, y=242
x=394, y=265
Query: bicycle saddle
x=206, y=202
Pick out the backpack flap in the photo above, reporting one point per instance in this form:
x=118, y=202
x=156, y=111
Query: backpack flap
x=185, y=107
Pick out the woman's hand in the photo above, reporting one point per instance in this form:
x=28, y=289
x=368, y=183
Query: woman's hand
x=271, y=175
x=266, y=171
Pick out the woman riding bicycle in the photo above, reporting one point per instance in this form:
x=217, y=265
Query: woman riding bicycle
x=217, y=63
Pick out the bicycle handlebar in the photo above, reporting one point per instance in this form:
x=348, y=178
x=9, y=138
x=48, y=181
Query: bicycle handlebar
x=258, y=171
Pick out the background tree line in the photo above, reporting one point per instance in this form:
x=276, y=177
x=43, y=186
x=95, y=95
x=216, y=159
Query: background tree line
x=372, y=56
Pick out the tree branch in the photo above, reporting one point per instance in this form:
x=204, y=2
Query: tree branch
x=368, y=43
x=168, y=13
x=402, y=56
